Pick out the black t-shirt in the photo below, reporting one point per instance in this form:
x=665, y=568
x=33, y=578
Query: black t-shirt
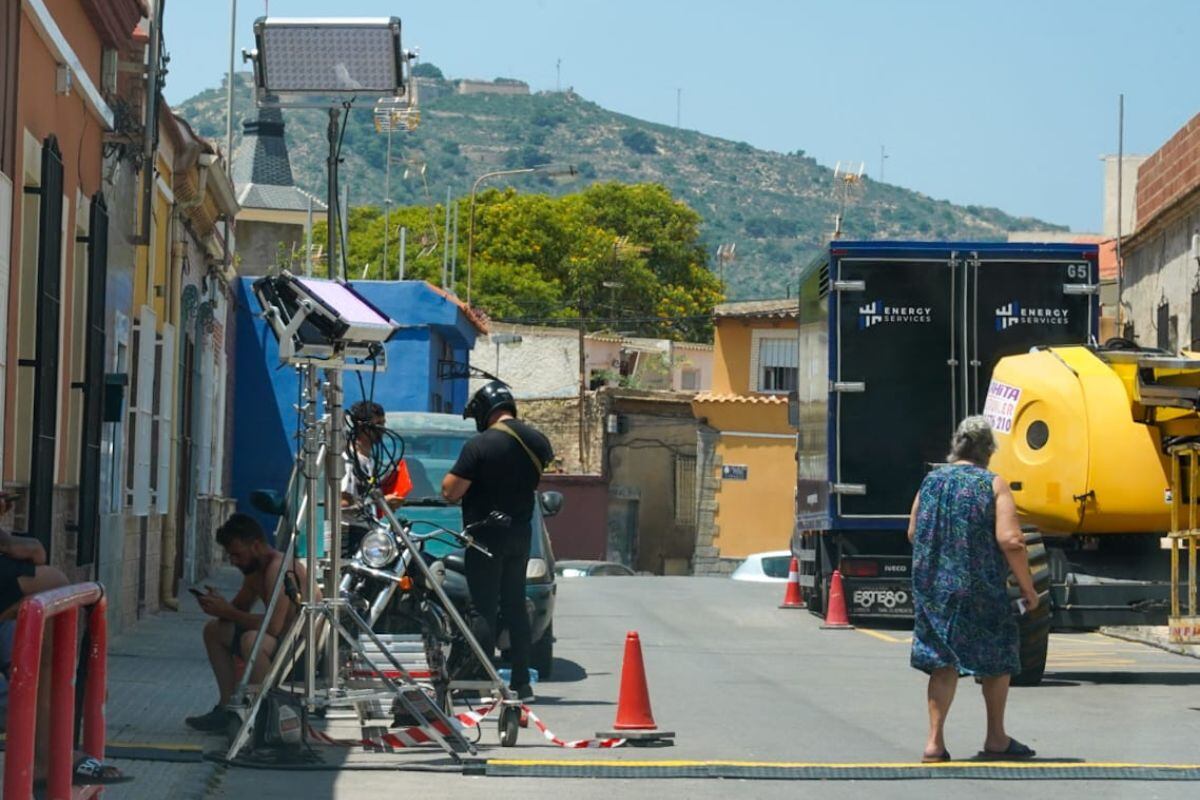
x=502, y=475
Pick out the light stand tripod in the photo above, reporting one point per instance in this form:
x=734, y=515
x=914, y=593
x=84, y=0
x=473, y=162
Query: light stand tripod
x=320, y=617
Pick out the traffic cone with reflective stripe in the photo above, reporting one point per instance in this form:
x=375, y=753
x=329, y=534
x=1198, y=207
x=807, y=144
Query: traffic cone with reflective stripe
x=635, y=720
x=836, y=617
x=791, y=597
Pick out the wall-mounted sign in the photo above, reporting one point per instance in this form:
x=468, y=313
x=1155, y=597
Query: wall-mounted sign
x=734, y=472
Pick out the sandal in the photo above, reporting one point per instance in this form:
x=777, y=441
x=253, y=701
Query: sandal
x=937, y=758
x=91, y=771
x=1015, y=750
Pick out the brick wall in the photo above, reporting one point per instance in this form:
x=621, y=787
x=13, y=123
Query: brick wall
x=1172, y=172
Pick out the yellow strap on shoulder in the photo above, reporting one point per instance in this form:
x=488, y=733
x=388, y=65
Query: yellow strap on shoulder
x=537, y=462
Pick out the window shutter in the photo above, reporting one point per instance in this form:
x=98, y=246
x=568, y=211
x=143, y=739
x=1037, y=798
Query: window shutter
x=93, y=379
x=143, y=411
x=166, y=415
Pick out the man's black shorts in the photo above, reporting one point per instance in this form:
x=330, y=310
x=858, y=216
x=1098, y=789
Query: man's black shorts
x=10, y=590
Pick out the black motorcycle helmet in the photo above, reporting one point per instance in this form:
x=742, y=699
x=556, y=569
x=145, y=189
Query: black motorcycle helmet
x=490, y=398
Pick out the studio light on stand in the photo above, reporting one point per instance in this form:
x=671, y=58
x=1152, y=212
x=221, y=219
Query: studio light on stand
x=325, y=325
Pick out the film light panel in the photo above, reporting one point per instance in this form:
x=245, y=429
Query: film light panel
x=322, y=56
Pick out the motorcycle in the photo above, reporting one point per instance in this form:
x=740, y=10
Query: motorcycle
x=382, y=583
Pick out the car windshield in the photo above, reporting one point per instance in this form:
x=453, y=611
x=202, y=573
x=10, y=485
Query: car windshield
x=776, y=566
x=429, y=453
x=429, y=457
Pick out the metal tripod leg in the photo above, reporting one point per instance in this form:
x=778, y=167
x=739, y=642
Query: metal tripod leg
x=499, y=689
x=271, y=679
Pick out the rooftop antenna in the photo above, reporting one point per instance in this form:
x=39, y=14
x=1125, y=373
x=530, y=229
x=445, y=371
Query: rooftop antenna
x=849, y=179
x=725, y=255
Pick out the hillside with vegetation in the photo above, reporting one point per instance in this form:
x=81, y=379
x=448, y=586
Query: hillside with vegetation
x=777, y=207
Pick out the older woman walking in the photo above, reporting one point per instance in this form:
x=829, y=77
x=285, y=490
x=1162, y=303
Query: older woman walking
x=966, y=538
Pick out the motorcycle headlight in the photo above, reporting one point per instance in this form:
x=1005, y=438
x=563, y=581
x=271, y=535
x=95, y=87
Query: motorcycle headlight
x=537, y=569
x=378, y=549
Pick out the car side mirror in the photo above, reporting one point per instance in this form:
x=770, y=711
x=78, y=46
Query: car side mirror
x=268, y=501
x=552, y=503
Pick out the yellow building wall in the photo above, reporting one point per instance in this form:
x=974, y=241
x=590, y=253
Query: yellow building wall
x=731, y=357
x=732, y=341
x=755, y=514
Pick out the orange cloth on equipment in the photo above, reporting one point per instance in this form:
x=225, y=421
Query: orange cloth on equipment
x=399, y=482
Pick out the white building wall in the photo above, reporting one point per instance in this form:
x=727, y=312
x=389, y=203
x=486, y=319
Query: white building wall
x=1164, y=267
x=689, y=358
x=542, y=364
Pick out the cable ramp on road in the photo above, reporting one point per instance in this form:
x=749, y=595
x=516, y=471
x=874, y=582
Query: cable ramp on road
x=832, y=771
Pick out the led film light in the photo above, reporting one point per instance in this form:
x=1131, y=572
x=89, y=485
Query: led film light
x=298, y=59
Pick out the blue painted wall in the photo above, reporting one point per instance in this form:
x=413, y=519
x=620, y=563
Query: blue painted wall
x=433, y=327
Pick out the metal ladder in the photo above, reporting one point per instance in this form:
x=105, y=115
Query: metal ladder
x=401, y=658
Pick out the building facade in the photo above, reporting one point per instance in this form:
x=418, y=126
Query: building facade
x=746, y=451
x=60, y=91
x=1161, y=292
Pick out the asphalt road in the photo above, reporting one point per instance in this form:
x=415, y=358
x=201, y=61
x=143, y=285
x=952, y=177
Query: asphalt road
x=739, y=679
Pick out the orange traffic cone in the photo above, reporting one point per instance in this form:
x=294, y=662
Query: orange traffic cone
x=635, y=720
x=835, y=610
x=791, y=597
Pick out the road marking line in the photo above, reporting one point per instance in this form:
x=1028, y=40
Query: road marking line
x=1014, y=765
x=883, y=637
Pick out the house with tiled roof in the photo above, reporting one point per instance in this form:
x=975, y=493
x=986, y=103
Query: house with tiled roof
x=746, y=473
x=274, y=213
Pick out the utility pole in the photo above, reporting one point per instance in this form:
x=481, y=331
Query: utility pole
x=882, y=158
x=558, y=75
x=1120, y=232
x=678, y=106
x=446, y=243
x=343, y=253
x=387, y=202
x=403, y=243
x=229, y=90
x=582, y=387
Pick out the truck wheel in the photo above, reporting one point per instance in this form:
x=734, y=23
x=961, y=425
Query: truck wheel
x=541, y=657
x=1035, y=626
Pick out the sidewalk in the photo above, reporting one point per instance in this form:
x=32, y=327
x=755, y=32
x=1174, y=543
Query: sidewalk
x=158, y=674
x=1153, y=635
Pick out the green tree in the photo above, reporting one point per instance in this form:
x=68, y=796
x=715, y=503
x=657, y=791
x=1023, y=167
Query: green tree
x=546, y=259
x=426, y=70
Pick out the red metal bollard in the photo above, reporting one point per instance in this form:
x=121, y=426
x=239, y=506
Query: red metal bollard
x=62, y=606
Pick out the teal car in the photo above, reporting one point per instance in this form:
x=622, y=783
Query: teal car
x=432, y=443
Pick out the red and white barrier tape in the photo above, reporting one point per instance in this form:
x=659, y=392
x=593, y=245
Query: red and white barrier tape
x=415, y=735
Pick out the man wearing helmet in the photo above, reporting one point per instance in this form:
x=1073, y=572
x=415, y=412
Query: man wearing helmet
x=499, y=470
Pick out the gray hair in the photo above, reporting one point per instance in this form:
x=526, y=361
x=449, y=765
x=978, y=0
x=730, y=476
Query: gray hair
x=973, y=441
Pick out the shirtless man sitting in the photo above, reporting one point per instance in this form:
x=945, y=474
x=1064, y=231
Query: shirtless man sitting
x=234, y=626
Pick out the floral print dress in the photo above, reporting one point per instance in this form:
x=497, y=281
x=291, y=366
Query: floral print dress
x=963, y=618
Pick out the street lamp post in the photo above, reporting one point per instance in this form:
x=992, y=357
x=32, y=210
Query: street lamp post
x=569, y=170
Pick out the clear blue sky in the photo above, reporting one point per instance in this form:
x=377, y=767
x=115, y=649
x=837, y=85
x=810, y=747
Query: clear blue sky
x=1007, y=104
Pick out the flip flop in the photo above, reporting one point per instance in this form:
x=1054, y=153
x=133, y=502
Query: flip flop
x=1015, y=750
x=936, y=759
x=91, y=771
